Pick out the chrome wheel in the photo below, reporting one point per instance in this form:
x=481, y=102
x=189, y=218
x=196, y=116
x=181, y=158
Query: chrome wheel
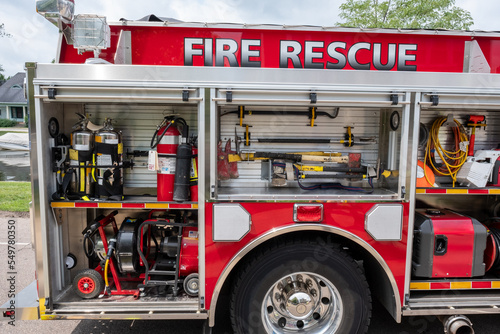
x=302, y=302
x=301, y=286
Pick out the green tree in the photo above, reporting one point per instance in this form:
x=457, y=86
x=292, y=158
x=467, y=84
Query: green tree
x=2, y=77
x=3, y=34
x=406, y=14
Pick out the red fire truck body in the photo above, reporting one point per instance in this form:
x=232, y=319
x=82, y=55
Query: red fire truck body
x=304, y=189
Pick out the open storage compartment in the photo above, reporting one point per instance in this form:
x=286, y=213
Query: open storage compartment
x=292, y=144
x=456, y=205
x=154, y=267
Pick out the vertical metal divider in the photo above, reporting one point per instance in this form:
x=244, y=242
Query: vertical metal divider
x=406, y=133
x=35, y=213
x=411, y=181
x=213, y=132
x=44, y=202
x=203, y=154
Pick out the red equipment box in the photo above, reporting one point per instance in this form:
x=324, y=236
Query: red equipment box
x=448, y=244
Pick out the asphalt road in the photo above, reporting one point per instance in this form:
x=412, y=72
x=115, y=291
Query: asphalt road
x=381, y=323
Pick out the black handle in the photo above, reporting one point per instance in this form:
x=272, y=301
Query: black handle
x=440, y=245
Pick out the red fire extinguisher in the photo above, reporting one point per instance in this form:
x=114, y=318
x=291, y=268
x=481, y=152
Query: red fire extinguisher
x=166, y=140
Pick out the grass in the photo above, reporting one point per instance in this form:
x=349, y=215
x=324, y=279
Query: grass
x=3, y=132
x=15, y=196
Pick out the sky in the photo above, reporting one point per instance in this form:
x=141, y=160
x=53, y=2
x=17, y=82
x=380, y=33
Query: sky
x=35, y=39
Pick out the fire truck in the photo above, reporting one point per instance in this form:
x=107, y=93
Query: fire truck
x=284, y=176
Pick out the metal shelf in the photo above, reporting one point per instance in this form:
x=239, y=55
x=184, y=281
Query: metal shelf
x=130, y=202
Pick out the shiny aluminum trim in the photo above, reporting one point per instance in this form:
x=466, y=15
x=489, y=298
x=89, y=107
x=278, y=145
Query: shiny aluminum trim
x=263, y=78
x=129, y=316
x=26, y=304
x=411, y=178
x=451, y=311
x=231, y=222
x=46, y=264
x=35, y=215
x=406, y=121
x=202, y=184
x=386, y=226
x=294, y=228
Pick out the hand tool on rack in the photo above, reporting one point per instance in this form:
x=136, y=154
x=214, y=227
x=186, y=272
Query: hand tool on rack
x=348, y=140
x=473, y=122
x=312, y=113
x=296, y=157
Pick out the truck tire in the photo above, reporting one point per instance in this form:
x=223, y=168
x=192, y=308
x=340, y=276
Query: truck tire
x=301, y=287
x=88, y=283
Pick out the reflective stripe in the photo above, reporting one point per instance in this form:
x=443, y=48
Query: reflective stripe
x=461, y=285
x=170, y=140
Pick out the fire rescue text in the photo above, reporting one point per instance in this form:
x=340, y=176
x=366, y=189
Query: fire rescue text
x=309, y=54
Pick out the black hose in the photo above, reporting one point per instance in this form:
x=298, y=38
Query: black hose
x=496, y=236
x=170, y=121
x=86, y=240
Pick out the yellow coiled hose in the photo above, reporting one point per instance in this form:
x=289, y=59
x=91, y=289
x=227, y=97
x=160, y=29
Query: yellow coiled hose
x=452, y=161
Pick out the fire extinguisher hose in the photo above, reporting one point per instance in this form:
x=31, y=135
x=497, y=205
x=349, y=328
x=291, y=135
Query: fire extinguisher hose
x=169, y=121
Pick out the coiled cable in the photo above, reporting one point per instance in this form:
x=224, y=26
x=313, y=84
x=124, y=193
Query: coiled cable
x=452, y=160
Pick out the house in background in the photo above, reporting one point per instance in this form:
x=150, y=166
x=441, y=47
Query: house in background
x=13, y=104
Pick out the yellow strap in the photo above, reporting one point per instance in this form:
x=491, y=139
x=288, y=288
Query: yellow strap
x=241, y=115
x=350, y=135
x=73, y=154
x=247, y=136
x=93, y=169
x=82, y=177
x=313, y=115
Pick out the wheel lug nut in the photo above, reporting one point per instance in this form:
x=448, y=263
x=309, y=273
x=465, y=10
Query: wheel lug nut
x=299, y=278
x=282, y=322
x=277, y=296
x=309, y=283
x=314, y=293
x=280, y=287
